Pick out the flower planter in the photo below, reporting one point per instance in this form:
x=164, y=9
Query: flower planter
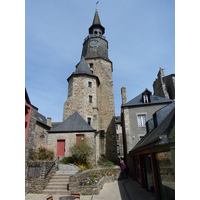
x=90, y=190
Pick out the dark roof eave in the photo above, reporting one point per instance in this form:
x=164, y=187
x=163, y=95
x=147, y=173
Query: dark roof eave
x=149, y=147
x=146, y=104
x=85, y=74
x=147, y=144
x=74, y=131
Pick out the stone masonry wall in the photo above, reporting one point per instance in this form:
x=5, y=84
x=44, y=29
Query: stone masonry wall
x=78, y=98
x=105, y=102
x=75, y=179
x=101, y=110
x=36, y=181
x=30, y=142
x=70, y=140
x=41, y=135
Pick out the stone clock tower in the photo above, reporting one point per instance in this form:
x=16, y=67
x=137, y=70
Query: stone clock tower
x=90, y=89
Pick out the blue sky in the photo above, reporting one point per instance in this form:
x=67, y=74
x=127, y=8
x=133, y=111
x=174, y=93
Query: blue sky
x=140, y=34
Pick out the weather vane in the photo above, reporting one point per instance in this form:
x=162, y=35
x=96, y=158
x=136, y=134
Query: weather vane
x=96, y=4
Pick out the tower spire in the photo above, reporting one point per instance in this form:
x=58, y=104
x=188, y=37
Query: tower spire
x=96, y=24
x=96, y=4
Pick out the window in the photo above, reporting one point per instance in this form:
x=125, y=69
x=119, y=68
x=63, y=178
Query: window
x=166, y=172
x=90, y=99
x=89, y=120
x=145, y=96
x=102, y=134
x=118, y=150
x=141, y=120
x=89, y=84
x=117, y=136
x=91, y=65
x=116, y=127
x=79, y=138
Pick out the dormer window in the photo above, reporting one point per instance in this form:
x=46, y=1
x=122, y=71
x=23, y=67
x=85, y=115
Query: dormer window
x=145, y=97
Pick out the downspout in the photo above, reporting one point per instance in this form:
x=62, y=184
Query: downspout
x=95, y=134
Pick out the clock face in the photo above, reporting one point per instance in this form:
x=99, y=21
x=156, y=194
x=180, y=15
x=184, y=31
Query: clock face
x=93, y=43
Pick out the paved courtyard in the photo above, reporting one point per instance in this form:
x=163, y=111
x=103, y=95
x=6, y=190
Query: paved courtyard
x=126, y=189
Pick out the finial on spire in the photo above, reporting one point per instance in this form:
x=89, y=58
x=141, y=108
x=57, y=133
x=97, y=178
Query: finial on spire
x=96, y=4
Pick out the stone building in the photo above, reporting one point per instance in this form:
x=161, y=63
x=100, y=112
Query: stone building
x=134, y=114
x=36, y=131
x=90, y=90
x=164, y=86
x=71, y=131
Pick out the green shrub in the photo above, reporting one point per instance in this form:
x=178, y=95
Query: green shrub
x=67, y=160
x=81, y=151
x=105, y=162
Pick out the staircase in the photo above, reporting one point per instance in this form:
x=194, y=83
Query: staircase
x=58, y=183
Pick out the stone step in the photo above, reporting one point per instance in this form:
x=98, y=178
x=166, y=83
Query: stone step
x=58, y=183
x=61, y=192
x=66, y=172
x=60, y=176
x=56, y=187
x=68, y=167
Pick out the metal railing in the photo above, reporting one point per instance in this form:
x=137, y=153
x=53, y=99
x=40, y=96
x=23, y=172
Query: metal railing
x=95, y=35
x=57, y=160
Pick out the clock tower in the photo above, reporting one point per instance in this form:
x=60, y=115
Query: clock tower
x=95, y=44
x=90, y=89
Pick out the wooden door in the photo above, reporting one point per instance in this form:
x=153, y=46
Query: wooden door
x=60, y=147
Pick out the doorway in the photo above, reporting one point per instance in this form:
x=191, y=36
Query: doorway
x=60, y=147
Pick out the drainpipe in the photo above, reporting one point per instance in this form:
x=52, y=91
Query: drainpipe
x=95, y=134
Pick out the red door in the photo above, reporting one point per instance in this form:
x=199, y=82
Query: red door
x=79, y=138
x=60, y=147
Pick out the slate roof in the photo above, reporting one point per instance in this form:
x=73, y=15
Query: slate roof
x=54, y=124
x=74, y=123
x=138, y=100
x=160, y=134
x=42, y=119
x=83, y=69
x=96, y=23
x=96, y=20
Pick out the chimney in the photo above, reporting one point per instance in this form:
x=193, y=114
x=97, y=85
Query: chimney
x=49, y=121
x=123, y=93
x=161, y=74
